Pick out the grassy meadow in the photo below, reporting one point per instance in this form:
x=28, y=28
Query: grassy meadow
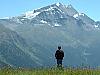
x=49, y=71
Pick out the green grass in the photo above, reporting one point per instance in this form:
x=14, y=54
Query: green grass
x=49, y=71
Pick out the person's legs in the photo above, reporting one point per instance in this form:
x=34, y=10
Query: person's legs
x=59, y=62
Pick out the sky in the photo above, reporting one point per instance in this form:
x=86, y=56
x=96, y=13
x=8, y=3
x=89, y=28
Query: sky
x=10, y=8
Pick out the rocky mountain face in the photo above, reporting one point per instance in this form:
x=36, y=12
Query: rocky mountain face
x=35, y=35
x=13, y=50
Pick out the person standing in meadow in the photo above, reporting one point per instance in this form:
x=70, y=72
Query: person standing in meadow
x=59, y=56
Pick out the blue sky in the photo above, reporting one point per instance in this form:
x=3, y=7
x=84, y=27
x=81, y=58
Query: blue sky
x=17, y=7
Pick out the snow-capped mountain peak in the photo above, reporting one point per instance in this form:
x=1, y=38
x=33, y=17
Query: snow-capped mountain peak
x=54, y=7
x=58, y=4
x=51, y=14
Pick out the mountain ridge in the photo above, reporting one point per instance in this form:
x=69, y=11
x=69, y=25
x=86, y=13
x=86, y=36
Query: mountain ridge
x=61, y=9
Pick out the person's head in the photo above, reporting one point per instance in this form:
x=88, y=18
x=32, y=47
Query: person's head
x=59, y=47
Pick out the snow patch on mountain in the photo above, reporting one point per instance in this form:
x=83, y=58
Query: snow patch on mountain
x=78, y=14
x=31, y=14
x=58, y=4
x=60, y=10
x=81, y=14
x=51, y=8
x=57, y=25
x=96, y=27
x=22, y=19
x=43, y=21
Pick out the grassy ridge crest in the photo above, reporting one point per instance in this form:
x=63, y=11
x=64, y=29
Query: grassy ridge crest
x=50, y=71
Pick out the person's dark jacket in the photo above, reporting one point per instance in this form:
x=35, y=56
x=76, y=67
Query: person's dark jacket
x=59, y=54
